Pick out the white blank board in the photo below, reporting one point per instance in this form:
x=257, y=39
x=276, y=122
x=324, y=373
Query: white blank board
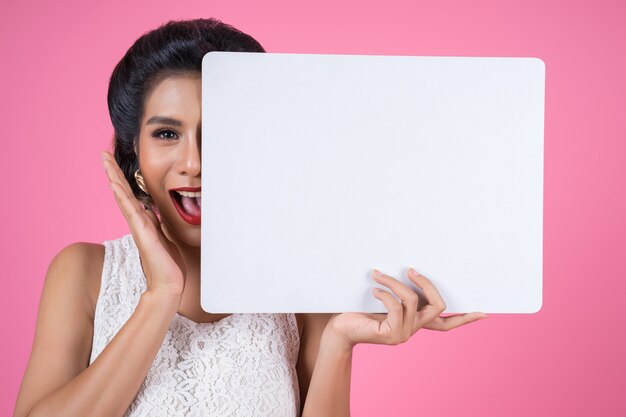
x=317, y=168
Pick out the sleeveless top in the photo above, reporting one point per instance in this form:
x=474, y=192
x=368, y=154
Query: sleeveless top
x=241, y=365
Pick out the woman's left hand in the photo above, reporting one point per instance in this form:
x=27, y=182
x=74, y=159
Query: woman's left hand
x=402, y=319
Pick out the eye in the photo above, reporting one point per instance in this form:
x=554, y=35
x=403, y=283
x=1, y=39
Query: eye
x=159, y=134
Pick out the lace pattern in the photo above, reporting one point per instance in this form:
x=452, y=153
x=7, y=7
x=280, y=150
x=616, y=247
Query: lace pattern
x=241, y=365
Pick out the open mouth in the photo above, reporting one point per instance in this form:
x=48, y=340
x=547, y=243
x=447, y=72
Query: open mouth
x=188, y=205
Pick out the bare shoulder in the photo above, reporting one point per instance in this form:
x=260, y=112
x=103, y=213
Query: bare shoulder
x=64, y=329
x=78, y=266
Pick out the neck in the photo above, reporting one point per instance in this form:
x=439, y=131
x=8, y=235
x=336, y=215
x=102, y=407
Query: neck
x=191, y=257
x=190, y=301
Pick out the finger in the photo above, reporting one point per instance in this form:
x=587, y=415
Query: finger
x=407, y=296
x=399, y=288
x=168, y=233
x=130, y=209
x=454, y=321
x=114, y=174
x=390, y=330
x=114, y=171
x=125, y=200
x=153, y=217
x=435, y=305
x=138, y=220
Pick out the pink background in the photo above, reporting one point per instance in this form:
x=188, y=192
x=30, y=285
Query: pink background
x=568, y=359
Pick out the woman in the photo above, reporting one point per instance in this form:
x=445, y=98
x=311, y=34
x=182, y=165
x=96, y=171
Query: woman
x=120, y=329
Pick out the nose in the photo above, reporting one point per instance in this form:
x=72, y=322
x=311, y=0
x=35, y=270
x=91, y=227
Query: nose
x=189, y=161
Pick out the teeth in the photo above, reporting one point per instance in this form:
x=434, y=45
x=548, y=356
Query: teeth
x=189, y=193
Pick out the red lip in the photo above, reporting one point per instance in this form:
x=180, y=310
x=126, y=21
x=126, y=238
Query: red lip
x=192, y=189
x=194, y=220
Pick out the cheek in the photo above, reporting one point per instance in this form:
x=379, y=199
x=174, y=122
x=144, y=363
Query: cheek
x=156, y=163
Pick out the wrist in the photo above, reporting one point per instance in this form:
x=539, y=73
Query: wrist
x=335, y=342
x=162, y=302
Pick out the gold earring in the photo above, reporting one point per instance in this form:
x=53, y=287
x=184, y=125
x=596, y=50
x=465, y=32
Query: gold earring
x=140, y=182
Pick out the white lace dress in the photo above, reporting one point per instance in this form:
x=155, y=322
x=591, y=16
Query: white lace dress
x=241, y=365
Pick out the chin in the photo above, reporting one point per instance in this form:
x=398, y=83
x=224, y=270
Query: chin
x=194, y=238
x=185, y=233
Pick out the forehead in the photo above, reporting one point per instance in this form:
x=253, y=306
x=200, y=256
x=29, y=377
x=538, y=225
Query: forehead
x=177, y=96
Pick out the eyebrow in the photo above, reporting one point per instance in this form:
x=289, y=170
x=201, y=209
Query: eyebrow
x=164, y=120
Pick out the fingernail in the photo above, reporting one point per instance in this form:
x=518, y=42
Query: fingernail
x=414, y=272
x=377, y=273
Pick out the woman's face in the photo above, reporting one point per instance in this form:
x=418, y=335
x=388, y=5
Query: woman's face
x=170, y=150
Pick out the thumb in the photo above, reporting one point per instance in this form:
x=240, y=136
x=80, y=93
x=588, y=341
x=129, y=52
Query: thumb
x=153, y=217
x=174, y=248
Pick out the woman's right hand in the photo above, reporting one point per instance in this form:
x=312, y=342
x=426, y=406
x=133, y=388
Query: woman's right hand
x=159, y=256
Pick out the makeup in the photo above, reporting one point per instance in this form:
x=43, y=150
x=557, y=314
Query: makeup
x=188, y=203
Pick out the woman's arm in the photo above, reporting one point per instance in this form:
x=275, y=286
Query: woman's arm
x=329, y=390
x=58, y=380
x=326, y=347
x=324, y=370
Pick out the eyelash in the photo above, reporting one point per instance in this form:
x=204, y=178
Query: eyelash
x=158, y=132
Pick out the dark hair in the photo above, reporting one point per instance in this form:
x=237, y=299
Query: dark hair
x=174, y=48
